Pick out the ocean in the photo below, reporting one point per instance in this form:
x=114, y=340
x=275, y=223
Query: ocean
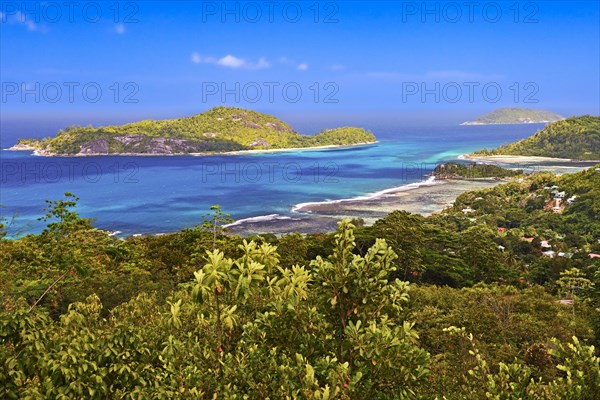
x=156, y=194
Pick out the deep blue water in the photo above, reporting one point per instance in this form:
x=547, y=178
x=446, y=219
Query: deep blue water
x=165, y=194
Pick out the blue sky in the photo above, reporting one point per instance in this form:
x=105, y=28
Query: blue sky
x=418, y=61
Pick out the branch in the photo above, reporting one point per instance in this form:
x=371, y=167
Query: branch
x=48, y=289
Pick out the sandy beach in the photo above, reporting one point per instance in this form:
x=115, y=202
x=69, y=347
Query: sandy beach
x=286, y=150
x=508, y=159
x=36, y=152
x=423, y=198
x=531, y=164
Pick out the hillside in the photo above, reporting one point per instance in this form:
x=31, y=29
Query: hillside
x=531, y=204
x=515, y=116
x=506, y=277
x=221, y=129
x=575, y=138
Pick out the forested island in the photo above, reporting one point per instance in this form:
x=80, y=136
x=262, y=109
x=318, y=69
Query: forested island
x=456, y=170
x=515, y=116
x=575, y=138
x=495, y=297
x=219, y=130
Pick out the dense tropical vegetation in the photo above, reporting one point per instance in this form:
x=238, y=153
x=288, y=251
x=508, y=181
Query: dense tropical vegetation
x=218, y=130
x=458, y=170
x=465, y=304
x=575, y=138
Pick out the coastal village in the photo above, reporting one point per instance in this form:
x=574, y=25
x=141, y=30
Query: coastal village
x=551, y=247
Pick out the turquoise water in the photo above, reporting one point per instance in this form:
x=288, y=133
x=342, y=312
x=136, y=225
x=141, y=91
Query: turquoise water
x=144, y=195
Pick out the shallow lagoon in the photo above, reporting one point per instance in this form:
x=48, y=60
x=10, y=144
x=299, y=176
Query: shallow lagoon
x=148, y=195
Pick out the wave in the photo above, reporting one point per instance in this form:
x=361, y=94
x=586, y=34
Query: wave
x=371, y=196
x=260, y=218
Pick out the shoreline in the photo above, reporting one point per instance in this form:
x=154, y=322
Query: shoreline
x=509, y=159
x=286, y=150
x=20, y=147
x=306, y=207
x=36, y=152
x=425, y=197
x=532, y=164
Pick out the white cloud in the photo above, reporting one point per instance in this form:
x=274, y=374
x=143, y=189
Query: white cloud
x=230, y=61
x=337, y=67
x=120, y=29
x=303, y=67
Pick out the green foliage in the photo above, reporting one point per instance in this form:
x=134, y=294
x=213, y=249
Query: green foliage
x=576, y=138
x=220, y=129
x=521, y=210
x=576, y=361
x=481, y=254
x=293, y=249
x=65, y=221
x=508, y=323
x=455, y=170
x=248, y=328
x=405, y=234
x=59, y=238
x=573, y=283
x=582, y=369
x=205, y=314
x=215, y=222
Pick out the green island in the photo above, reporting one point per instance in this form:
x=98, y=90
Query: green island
x=497, y=296
x=472, y=170
x=515, y=116
x=219, y=130
x=575, y=138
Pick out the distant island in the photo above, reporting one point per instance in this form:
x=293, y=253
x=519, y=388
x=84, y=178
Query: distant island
x=576, y=138
x=219, y=130
x=515, y=116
